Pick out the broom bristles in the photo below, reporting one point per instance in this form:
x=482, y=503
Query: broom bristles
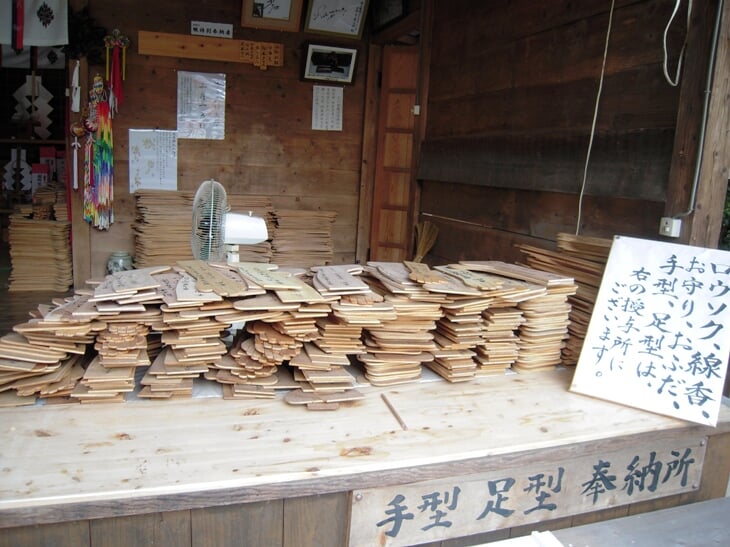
x=426, y=233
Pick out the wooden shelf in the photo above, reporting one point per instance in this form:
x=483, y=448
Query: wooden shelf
x=39, y=142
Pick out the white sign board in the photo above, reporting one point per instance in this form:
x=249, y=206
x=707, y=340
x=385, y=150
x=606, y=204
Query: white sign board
x=201, y=105
x=152, y=159
x=327, y=108
x=658, y=337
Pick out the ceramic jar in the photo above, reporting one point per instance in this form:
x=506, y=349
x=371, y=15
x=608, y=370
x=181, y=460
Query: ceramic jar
x=119, y=261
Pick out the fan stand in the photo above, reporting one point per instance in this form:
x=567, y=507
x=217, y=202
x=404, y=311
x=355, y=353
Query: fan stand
x=232, y=253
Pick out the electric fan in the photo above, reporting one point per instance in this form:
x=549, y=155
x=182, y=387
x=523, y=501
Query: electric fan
x=214, y=227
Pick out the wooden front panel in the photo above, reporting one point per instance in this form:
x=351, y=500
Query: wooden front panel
x=230, y=525
x=171, y=528
x=392, y=194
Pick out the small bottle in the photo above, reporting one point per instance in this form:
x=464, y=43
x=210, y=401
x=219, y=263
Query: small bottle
x=119, y=261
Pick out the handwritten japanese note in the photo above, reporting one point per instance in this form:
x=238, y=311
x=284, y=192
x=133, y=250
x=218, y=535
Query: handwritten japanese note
x=337, y=16
x=152, y=159
x=657, y=339
x=327, y=108
x=201, y=104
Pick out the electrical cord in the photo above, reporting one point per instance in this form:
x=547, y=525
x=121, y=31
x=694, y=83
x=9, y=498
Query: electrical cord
x=595, y=118
x=674, y=82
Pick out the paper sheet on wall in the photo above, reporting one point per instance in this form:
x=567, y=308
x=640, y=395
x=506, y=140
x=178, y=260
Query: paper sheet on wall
x=201, y=105
x=658, y=336
x=152, y=159
x=327, y=108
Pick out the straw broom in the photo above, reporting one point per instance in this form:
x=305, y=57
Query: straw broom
x=426, y=233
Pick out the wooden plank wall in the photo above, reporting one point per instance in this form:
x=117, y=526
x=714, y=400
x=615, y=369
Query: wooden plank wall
x=512, y=93
x=269, y=148
x=315, y=520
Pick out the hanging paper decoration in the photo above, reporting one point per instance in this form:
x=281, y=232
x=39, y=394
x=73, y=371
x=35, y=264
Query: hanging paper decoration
x=99, y=159
x=40, y=23
x=33, y=106
x=116, y=44
x=75, y=88
x=77, y=131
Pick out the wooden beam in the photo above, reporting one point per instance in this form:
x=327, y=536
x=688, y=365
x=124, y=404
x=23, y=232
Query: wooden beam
x=688, y=127
x=706, y=221
x=259, y=54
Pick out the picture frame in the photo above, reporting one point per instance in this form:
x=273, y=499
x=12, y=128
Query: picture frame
x=283, y=15
x=386, y=12
x=343, y=18
x=329, y=63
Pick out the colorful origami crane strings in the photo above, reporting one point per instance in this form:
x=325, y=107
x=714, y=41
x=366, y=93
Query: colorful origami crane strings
x=99, y=159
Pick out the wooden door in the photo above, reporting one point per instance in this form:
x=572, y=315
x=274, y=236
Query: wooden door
x=391, y=233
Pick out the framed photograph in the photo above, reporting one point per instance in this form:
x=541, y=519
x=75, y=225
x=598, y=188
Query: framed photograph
x=385, y=12
x=345, y=18
x=272, y=14
x=329, y=63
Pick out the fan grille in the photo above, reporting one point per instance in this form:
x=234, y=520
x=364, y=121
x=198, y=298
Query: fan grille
x=209, y=208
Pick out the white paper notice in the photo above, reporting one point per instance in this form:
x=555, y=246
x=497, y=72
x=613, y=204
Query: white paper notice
x=327, y=108
x=201, y=105
x=657, y=338
x=152, y=159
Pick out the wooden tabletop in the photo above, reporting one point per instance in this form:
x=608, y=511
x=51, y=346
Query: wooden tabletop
x=63, y=462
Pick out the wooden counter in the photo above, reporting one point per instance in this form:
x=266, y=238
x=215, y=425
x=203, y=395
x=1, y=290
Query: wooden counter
x=72, y=463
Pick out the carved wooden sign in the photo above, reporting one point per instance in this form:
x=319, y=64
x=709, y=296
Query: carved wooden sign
x=426, y=512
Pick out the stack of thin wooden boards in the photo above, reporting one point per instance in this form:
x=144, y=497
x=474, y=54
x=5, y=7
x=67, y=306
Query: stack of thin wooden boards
x=584, y=258
x=300, y=330
x=397, y=350
x=127, y=305
x=162, y=227
x=44, y=357
x=321, y=369
x=40, y=255
x=546, y=317
x=303, y=237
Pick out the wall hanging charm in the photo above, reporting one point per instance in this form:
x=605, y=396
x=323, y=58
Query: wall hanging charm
x=77, y=131
x=116, y=46
x=99, y=159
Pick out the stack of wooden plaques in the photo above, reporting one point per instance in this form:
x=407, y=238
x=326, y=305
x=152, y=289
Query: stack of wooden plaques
x=104, y=384
x=40, y=255
x=546, y=317
x=461, y=328
x=500, y=348
x=502, y=320
x=60, y=205
x=162, y=227
x=337, y=337
x=303, y=237
x=323, y=379
x=241, y=375
x=44, y=357
x=397, y=350
x=123, y=344
x=323, y=389
x=583, y=258
x=22, y=382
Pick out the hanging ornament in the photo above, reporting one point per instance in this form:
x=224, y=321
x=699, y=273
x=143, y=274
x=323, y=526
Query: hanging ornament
x=75, y=88
x=116, y=44
x=99, y=159
x=77, y=131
